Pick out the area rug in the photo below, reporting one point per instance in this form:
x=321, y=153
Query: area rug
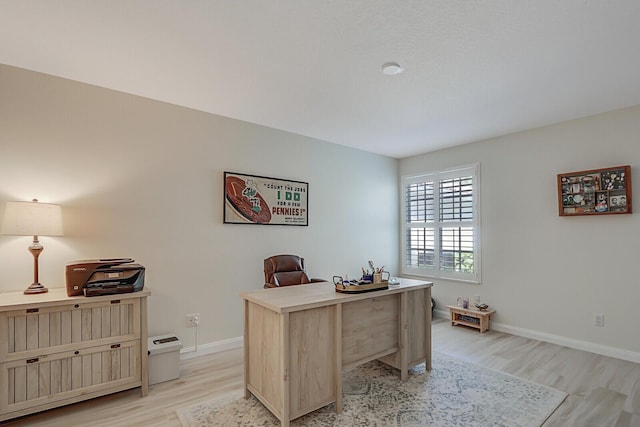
x=454, y=393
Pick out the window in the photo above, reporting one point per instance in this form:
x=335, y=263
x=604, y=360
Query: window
x=441, y=224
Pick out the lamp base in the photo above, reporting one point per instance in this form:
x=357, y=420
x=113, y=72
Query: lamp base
x=36, y=288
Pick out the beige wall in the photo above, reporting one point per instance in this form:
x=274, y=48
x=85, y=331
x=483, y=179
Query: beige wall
x=548, y=275
x=143, y=179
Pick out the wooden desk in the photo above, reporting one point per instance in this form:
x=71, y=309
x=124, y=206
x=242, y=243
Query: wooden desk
x=298, y=339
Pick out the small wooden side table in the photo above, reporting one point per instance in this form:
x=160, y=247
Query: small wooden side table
x=479, y=319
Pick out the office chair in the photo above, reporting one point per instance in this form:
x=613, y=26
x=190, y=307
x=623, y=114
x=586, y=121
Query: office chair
x=285, y=270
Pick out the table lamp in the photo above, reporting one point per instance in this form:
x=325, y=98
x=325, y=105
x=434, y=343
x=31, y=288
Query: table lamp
x=33, y=219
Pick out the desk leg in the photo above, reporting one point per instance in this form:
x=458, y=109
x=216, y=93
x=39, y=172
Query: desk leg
x=284, y=349
x=427, y=328
x=338, y=344
x=245, y=340
x=404, y=338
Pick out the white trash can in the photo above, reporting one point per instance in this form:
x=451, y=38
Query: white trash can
x=164, y=358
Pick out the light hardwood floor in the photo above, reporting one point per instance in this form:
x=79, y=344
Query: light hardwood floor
x=602, y=391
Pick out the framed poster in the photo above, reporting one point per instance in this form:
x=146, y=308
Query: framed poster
x=595, y=192
x=253, y=199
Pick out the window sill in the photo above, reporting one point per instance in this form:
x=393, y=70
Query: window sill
x=448, y=279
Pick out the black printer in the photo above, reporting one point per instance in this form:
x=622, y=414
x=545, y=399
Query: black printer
x=93, y=277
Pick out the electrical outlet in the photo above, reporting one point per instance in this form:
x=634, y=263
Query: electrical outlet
x=193, y=320
x=598, y=319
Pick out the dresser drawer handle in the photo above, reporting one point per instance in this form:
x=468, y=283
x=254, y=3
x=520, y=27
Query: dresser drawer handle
x=76, y=352
x=76, y=305
x=115, y=346
x=34, y=360
x=115, y=301
x=32, y=310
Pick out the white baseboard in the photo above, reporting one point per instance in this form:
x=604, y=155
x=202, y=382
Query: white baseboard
x=210, y=348
x=604, y=350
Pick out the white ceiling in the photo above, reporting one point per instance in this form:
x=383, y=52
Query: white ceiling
x=474, y=69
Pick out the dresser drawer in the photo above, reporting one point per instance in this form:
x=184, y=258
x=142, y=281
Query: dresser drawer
x=27, y=383
x=29, y=332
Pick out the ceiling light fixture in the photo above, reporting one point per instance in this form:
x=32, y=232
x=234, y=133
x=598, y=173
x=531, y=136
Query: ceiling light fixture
x=392, y=68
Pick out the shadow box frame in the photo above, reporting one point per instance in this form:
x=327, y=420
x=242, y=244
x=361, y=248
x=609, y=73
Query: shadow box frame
x=595, y=192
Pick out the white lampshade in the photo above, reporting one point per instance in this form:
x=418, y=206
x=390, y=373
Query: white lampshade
x=32, y=219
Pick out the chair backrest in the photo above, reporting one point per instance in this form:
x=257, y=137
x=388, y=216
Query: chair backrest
x=284, y=270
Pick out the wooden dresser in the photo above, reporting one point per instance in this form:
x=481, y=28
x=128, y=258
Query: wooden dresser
x=56, y=350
